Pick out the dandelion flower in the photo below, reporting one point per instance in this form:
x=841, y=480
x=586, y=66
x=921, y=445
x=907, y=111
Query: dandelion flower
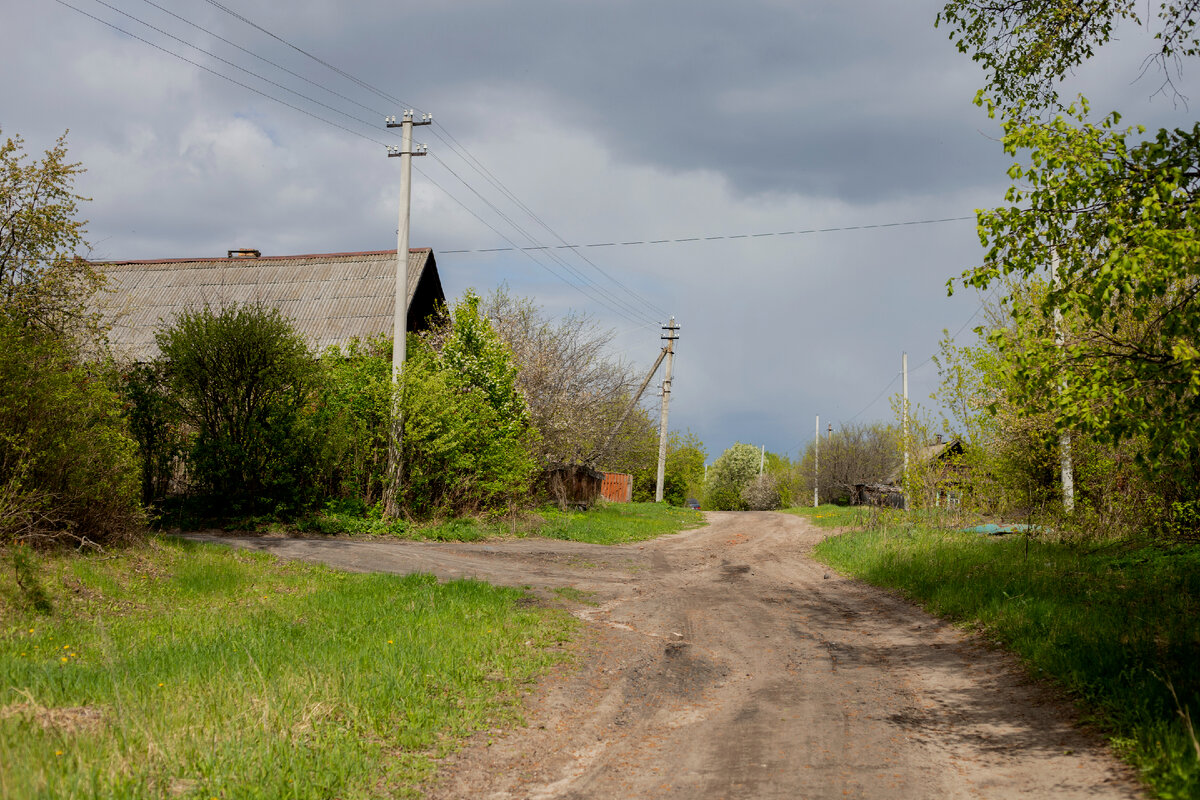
x=63, y=659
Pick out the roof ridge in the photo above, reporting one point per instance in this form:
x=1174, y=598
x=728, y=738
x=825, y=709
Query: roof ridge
x=256, y=259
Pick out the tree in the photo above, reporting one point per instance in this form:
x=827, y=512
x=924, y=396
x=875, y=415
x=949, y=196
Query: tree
x=852, y=455
x=469, y=441
x=729, y=475
x=67, y=464
x=43, y=281
x=242, y=378
x=1028, y=46
x=575, y=390
x=1115, y=208
x=683, y=473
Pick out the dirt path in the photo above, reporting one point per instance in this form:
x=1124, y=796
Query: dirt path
x=726, y=663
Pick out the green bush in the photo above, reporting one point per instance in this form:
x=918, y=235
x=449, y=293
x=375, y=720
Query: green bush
x=468, y=441
x=243, y=379
x=352, y=412
x=68, y=467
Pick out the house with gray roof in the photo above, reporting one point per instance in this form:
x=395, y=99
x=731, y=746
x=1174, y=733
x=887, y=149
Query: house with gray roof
x=330, y=298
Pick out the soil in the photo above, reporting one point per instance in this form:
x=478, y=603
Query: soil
x=725, y=662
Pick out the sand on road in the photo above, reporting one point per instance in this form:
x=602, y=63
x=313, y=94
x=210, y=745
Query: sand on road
x=725, y=662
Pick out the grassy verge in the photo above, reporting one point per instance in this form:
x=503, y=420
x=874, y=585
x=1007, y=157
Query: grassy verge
x=1115, y=624
x=177, y=670
x=831, y=516
x=617, y=523
x=610, y=523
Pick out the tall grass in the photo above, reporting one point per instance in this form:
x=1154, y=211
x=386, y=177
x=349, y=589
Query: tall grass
x=1115, y=623
x=193, y=671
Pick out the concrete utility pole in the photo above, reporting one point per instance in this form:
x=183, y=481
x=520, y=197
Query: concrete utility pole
x=1064, y=439
x=762, y=459
x=400, y=313
x=670, y=338
x=904, y=426
x=603, y=449
x=817, y=463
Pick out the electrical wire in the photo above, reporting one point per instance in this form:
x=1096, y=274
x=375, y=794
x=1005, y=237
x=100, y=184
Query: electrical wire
x=463, y=153
x=690, y=239
x=220, y=75
x=613, y=304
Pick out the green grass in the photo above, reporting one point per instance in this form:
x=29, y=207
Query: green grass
x=1117, y=624
x=609, y=523
x=177, y=670
x=618, y=523
x=831, y=516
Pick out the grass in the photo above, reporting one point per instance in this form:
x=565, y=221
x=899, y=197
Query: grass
x=618, y=523
x=178, y=670
x=831, y=516
x=1114, y=623
x=608, y=523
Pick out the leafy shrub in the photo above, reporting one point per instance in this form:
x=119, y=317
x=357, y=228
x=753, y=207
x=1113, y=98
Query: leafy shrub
x=68, y=467
x=353, y=412
x=242, y=378
x=468, y=440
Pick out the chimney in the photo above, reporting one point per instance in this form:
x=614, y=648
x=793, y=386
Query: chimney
x=939, y=439
x=244, y=252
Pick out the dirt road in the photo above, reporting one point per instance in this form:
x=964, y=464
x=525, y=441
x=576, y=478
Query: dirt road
x=726, y=663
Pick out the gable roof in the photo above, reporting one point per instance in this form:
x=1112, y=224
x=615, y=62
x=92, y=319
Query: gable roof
x=330, y=297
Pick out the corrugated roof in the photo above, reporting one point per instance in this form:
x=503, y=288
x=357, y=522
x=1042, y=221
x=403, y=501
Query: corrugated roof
x=330, y=297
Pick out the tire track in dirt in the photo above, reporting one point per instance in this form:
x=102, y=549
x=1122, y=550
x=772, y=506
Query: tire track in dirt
x=725, y=663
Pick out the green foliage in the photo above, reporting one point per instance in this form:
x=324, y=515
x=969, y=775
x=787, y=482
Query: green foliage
x=728, y=475
x=1124, y=223
x=683, y=473
x=1028, y=46
x=67, y=464
x=468, y=441
x=243, y=378
x=198, y=671
x=1115, y=625
x=43, y=282
x=156, y=425
x=1107, y=347
x=352, y=412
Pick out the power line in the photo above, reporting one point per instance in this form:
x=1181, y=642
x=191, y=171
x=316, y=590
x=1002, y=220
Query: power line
x=689, y=239
x=455, y=146
x=220, y=75
x=235, y=66
x=614, y=304
x=320, y=61
x=553, y=256
x=475, y=164
x=251, y=53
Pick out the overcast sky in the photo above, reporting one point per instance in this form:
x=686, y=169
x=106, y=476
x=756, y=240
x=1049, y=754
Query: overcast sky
x=611, y=121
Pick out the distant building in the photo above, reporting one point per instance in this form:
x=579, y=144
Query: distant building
x=330, y=298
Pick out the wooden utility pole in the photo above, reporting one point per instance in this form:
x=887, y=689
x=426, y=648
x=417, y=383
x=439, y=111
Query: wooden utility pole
x=391, y=488
x=670, y=338
x=1064, y=438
